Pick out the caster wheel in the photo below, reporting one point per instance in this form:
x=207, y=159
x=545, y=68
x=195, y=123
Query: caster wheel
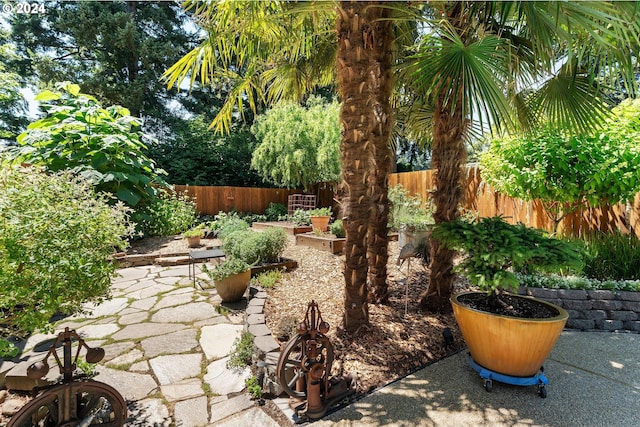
x=542, y=392
x=488, y=385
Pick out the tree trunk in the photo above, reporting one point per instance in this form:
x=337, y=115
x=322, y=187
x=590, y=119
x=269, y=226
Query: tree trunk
x=363, y=69
x=449, y=156
x=379, y=39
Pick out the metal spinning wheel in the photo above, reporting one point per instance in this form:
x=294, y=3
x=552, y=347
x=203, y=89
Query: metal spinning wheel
x=76, y=401
x=304, y=368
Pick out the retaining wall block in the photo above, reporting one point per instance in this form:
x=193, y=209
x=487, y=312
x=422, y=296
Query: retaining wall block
x=632, y=325
x=606, y=304
x=629, y=296
x=601, y=294
x=578, y=294
x=546, y=294
x=576, y=314
x=630, y=305
x=595, y=314
x=577, y=305
x=581, y=324
x=612, y=325
x=624, y=315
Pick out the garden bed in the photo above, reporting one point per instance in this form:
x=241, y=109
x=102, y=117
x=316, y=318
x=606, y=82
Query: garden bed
x=323, y=242
x=287, y=226
x=285, y=264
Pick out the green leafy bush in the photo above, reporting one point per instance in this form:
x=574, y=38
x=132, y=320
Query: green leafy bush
x=253, y=387
x=268, y=279
x=256, y=247
x=228, y=268
x=555, y=281
x=240, y=356
x=337, y=228
x=56, y=238
x=225, y=224
x=103, y=145
x=612, y=256
x=408, y=211
x=492, y=248
x=300, y=217
x=166, y=215
x=275, y=211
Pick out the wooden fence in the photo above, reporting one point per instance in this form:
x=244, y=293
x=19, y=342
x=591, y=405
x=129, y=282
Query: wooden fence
x=211, y=200
x=482, y=198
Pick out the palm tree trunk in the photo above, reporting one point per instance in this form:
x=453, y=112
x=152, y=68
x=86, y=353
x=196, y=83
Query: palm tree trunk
x=449, y=156
x=380, y=86
x=352, y=67
x=365, y=41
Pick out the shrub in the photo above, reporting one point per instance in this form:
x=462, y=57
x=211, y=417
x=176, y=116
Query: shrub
x=274, y=211
x=227, y=268
x=256, y=248
x=169, y=214
x=337, y=228
x=612, y=256
x=407, y=210
x=268, y=279
x=225, y=224
x=103, y=145
x=56, y=237
x=300, y=217
x=241, y=353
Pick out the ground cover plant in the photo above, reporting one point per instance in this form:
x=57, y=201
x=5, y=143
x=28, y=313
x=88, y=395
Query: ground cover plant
x=56, y=238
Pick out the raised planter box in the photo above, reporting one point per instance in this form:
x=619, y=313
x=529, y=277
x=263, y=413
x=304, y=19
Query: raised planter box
x=285, y=264
x=324, y=242
x=289, y=227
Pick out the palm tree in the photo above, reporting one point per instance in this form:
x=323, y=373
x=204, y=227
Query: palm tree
x=271, y=51
x=511, y=65
x=475, y=66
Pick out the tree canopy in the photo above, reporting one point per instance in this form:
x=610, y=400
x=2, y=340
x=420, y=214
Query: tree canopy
x=299, y=145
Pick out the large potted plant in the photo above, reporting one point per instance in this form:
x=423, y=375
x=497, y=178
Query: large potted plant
x=194, y=235
x=505, y=333
x=320, y=218
x=231, y=279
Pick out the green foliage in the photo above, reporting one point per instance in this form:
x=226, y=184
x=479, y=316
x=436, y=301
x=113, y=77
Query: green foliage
x=612, y=256
x=566, y=170
x=256, y=247
x=103, y=145
x=492, y=248
x=227, y=268
x=13, y=106
x=299, y=145
x=56, y=238
x=253, y=387
x=197, y=231
x=166, y=215
x=300, y=217
x=225, y=224
x=554, y=281
x=197, y=156
x=275, y=211
x=408, y=211
x=337, y=228
x=320, y=212
x=240, y=356
x=268, y=279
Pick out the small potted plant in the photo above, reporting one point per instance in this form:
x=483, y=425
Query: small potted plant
x=231, y=279
x=320, y=218
x=194, y=235
x=505, y=333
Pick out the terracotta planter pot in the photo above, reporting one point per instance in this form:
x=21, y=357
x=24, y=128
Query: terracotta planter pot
x=193, y=242
x=320, y=223
x=233, y=287
x=509, y=345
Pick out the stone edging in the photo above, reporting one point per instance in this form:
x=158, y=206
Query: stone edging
x=594, y=309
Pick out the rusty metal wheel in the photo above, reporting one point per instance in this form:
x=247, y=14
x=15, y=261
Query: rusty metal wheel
x=79, y=403
x=290, y=367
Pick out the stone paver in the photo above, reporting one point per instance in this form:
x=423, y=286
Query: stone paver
x=185, y=313
x=172, y=368
x=172, y=300
x=131, y=385
x=225, y=381
x=133, y=318
x=173, y=343
x=222, y=410
x=251, y=417
x=149, y=412
x=97, y=331
x=127, y=358
x=181, y=390
x=107, y=308
x=148, y=329
x=192, y=412
x=217, y=340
